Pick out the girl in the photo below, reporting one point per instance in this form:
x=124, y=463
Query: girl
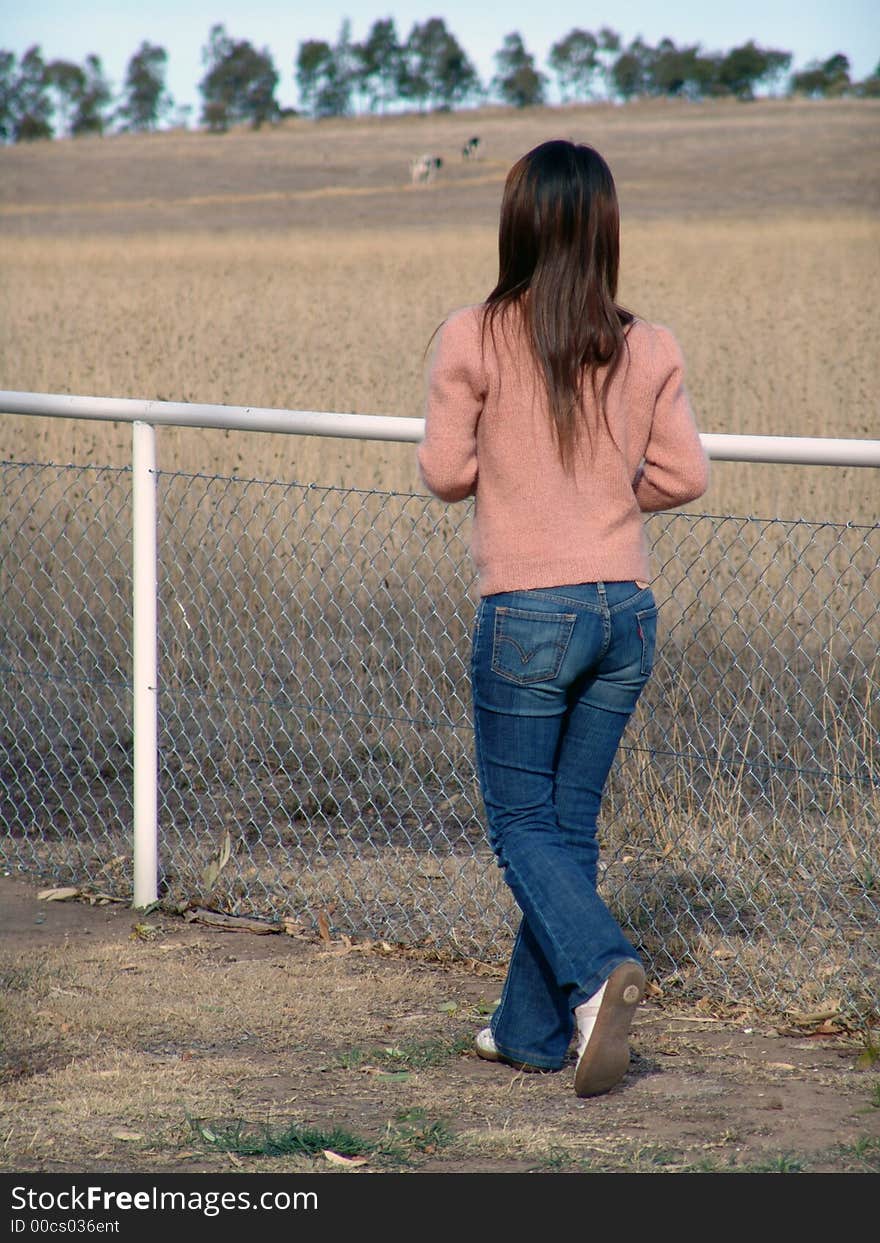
x=566, y=418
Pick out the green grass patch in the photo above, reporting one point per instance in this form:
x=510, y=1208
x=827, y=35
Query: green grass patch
x=414, y=1131
x=785, y=1163
x=405, y=1057
x=866, y=1151
x=870, y=1054
x=246, y=1140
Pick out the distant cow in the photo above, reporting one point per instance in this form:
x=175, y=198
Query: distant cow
x=471, y=149
x=425, y=168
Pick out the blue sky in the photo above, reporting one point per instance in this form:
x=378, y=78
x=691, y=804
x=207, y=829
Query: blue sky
x=113, y=29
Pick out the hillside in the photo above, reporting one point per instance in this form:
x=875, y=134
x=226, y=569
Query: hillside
x=671, y=160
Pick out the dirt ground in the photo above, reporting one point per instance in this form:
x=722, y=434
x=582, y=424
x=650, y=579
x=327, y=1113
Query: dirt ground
x=147, y=1043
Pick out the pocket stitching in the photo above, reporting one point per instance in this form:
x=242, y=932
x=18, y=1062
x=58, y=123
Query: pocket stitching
x=565, y=627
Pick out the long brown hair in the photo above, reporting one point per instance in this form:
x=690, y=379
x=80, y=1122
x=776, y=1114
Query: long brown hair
x=559, y=253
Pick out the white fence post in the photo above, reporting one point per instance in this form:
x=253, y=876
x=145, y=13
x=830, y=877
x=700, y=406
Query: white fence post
x=145, y=665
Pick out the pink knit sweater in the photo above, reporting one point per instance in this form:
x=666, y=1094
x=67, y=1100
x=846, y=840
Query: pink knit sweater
x=488, y=434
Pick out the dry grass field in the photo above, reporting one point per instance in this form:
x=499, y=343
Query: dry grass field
x=298, y=268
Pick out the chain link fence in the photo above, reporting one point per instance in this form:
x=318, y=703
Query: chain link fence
x=316, y=758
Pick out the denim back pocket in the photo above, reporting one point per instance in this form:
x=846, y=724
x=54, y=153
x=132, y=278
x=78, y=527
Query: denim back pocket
x=646, y=624
x=530, y=646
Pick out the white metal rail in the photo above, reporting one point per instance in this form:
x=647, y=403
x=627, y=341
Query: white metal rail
x=146, y=416
x=794, y=450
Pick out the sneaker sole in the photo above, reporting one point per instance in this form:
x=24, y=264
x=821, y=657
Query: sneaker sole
x=605, y=1060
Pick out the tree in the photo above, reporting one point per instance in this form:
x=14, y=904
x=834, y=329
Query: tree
x=7, y=95
x=346, y=67
x=90, y=115
x=324, y=82
x=518, y=82
x=67, y=84
x=575, y=62
x=823, y=78
x=239, y=82
x=607, y=52
x=81, y=95
x=631, y=71
x=680, y=71
x=25, y=102
x=379, y=64
x=869, y=88
x=145, y=100
x=745, y=67
x=435, y=69
x=313, y=69
x=778, y=64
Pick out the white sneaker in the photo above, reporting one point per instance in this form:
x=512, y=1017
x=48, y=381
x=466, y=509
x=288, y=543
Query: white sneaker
x=603, y=1030
x=485, y=1045
x=586, y=1016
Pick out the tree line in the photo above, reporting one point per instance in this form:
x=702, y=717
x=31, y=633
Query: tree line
x=429, y=69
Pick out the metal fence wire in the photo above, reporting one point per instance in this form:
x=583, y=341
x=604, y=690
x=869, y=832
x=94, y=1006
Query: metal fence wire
x=316, y=759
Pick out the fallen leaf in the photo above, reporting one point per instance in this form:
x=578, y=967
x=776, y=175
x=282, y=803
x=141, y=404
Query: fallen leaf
x=127, y=1135
x=57, y=895
x=336, y=1158
x=218, y=863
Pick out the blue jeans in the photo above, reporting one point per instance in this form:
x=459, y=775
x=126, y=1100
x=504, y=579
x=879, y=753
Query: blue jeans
x=556, y=673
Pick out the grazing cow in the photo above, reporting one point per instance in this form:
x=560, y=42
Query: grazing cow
x=471, y=149
x=425, y=168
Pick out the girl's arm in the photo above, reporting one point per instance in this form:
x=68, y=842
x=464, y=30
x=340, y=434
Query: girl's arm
x=675, y=467
x=447, y=456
